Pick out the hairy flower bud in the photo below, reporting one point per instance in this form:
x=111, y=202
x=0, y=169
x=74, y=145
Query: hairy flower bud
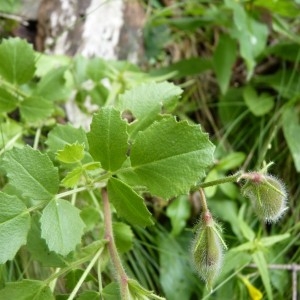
x=268, y=195
x=207, y=249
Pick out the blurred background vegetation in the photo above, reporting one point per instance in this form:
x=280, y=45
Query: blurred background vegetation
x=238, y=63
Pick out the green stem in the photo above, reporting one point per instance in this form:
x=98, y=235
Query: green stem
x=12, y=88
x=70, y=267
x=116, y=260
x=232, y=178
x=85, y=274
x=203, y=201
x=37, y=138
x=10, y=142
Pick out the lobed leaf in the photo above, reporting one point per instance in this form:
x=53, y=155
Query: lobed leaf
x=61, y=226
x=146, y=101
x=71, y=153
x=169, y=157
x=31, y=172
x=108, y=139
x=14, y=226
x=128, y=203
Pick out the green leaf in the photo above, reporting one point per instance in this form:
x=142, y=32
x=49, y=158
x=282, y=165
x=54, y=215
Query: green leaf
x=231, y=161
x=61, y=226
x=259, y=105
x=39, y=249
x=285, y=82
x=96, y=69
x=52, y=85
x=90, y=216
x=233, y=261
x=251, y=34
x=287, y=8
x=146, y=101
x=73, y=177
x=128, y=203
x=261, y=263
x=25, y=290
x=169, y=157
x=184, y=68
x=291, y=129
x=8, y=102
x=35, y=109
x=271, y=240
x=31, y=172
x=108, y=139
x=17, y=60
x=71, y=153
x=61, y=135
x=14, y=226
x=123, y=236
x=223, y=60
x=179, y=211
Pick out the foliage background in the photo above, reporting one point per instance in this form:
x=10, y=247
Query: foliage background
x=238, y=63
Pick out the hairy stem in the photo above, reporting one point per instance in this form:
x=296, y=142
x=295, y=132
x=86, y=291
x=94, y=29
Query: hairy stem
x=116, y=260
x=232, y=178
x=203, y=201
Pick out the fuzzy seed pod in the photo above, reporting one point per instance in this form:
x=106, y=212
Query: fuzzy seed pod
x=267, y=194
x=207, y=249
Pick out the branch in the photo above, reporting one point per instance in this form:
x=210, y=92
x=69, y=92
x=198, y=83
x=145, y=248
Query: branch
x=116, y=260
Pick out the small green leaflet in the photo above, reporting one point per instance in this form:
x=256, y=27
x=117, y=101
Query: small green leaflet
x=14, y=226
x=128, y=203
x=17, y=60
x=108, y=139
x=25, y=290
x=147, y=101
x=61, y=226
x=71, y=153
x=73, y=177
x=31, y=172
x=169, y=157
